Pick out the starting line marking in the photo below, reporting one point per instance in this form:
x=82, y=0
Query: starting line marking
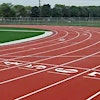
x=60, y=70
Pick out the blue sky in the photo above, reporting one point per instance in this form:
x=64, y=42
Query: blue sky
x=53, y=2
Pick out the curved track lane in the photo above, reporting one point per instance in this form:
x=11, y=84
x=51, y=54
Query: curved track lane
x=67, y=69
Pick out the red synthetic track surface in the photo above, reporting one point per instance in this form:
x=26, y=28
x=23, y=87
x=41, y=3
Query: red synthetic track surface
x=64, y=66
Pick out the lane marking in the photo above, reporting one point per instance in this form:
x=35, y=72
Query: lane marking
x=58, y=48
x=93, y=96
x=71, y=52
x=42, y=64
x=57, y=73
x=41, y=52
x=28, y=75
x=51, y=56
x=40, y=43
x=35, y=48
x=95, y=78
x=52, y=85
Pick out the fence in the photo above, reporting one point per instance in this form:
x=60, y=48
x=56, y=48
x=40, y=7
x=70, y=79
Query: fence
x=80, y=21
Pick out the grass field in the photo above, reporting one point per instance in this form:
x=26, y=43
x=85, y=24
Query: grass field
x=12, y=34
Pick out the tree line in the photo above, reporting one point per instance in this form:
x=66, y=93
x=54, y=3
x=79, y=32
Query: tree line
x=9, y=10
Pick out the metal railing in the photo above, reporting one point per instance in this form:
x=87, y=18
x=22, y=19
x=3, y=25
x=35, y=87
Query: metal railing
x=80, y=21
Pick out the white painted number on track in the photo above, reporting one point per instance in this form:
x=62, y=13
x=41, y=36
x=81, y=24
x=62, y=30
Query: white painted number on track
x=36, y=66
x=12, y=63
x=62, y=70
x=94, y=74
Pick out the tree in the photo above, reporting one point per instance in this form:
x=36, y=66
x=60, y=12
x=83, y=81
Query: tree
x=46, y=10
x=57, y=11
x=75, y=12
x=20, y=11
x=28, y=11
x=83, y=11
x=6, y=10
x=94, y=11
x=9, y=10
x=66, y=11
x=34, y=12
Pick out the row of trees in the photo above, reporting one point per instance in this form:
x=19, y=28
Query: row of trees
x=9, y=10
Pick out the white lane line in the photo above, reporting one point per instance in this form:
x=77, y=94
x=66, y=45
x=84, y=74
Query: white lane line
x=80, y=59
x=58, y=48
x=52, y=85
x=45, y=51
x=28, y=75
x=8, y=68
x=95, y=78
x=53, y=50
x=33, y=48
x=13, y=67
x=57, y=73
x=61, y=54
x=27, y=69
x=69, y=56
x=24, y=76
x=93, y=96
x=56, y=33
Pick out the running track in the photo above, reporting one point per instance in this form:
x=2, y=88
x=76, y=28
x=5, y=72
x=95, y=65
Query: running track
x=51, y=69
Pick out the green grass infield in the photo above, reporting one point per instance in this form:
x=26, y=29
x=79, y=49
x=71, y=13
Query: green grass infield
x=13, y=34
